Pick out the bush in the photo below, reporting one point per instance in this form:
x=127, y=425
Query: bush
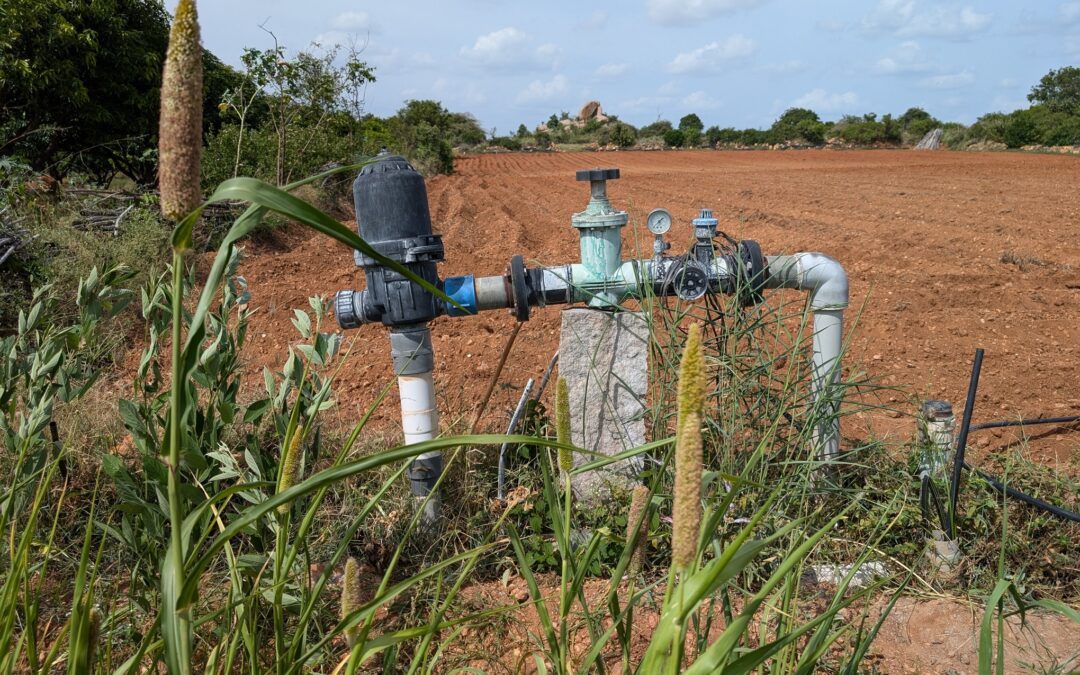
x=619, y=134
x=1020, y=130
x=657, y=128
x=753, y=137
x=867, y=130
x=798, y=124
x=674, y=138
x=507, y=142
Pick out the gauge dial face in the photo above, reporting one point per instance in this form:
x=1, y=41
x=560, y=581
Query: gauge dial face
x=659, y=221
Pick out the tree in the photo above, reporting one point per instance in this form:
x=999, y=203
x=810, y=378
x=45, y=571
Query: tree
x=1059, y=90
x=798, y=123
x=674, y=138
x=307, y=88
x=691, y=127
x=522, y=131
x=553, y=122
x=79, y=84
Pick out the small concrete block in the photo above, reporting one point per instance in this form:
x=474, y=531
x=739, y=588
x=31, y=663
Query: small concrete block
x=604, y=358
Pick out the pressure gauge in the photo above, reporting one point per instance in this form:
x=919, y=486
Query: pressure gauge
x=659, y=221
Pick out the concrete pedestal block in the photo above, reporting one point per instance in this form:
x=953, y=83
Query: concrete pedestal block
x=603, y=356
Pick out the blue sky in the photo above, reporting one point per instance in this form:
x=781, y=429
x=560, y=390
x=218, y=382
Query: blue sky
x=733, y=62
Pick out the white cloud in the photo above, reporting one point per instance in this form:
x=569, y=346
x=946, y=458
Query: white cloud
x=355, y=22
x=1069, y=12
x=597, y=20
x=713, y=55
x=497, y=47
x=670, y=12
x=668, y=89
x=548, y=55
x=330, y=39
x=948, y=81
x=906, y=58
x=539, y=90
x=611, y=70
x=905, y=18
x=700, y=100
x=820, y=100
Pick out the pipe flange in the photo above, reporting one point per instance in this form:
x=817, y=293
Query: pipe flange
x=520, y=288
x=755, y=272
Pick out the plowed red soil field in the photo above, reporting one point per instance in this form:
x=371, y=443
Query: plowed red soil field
x=950, y=251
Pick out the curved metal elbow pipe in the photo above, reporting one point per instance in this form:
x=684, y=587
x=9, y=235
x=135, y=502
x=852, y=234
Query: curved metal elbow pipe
x=820, y=275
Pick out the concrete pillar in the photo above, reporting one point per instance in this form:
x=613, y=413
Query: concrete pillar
x=603, y=356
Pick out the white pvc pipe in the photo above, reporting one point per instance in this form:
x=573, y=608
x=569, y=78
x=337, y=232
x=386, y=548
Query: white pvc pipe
x=827, y=342
x=419, y=416
x=420, y=422
x=827, y=283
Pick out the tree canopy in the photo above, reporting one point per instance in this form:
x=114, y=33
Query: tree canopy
x=1059, y=90
x=79, y=83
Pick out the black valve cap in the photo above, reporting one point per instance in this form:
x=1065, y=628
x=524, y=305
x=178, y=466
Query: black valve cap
x=597, y=174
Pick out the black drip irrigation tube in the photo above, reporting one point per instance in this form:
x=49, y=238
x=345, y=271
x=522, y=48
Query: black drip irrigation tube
x=961, y=445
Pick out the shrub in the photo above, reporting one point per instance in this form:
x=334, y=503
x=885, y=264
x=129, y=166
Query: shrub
x=753, y=137
x=619, y=134
x=1020, y=130
x=674, y=138
x=657, y=128
x=798, y=124
x=508, y=142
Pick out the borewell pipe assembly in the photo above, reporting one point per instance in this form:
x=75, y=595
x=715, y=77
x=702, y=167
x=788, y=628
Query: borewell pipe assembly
x=392, y=215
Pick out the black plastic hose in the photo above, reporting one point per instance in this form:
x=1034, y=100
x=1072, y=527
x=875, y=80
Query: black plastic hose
x=961, y=444
x=1025, y=423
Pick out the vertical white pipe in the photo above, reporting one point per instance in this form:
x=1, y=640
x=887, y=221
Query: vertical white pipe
x=827, y=343
x=420, y=422
x=419, y=417
x=826, y=281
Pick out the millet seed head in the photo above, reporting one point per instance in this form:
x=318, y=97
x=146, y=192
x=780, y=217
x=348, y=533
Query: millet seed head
x=686, y=511
x=180, y=125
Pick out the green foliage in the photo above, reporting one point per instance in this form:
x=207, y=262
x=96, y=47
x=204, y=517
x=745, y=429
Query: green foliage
x=798, y=124
x=916, y=123
x=1019, y=129
x=619, y=134
x=674, y=138
x=691, y=127
x=657, y=128
x=509, y=142
x=426, y=133
x=867, y=130
x=1059, y=90
x=522, y=131
x=69, y=98
x=542, y=140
